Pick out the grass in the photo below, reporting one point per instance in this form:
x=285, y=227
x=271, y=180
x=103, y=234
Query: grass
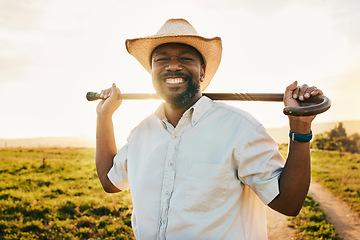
x=340, y=175
x=312, y=224
x=54, y=193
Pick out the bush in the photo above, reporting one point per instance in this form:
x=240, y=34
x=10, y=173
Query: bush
x=337, y=140
x=312, y=224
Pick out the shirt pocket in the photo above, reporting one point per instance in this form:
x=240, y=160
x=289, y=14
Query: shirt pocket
x=207, y=186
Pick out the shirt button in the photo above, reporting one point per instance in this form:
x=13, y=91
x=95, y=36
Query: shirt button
x=164, y=125
x=171, y=164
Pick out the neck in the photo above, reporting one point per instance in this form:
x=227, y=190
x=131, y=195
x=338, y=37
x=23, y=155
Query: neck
x=174, y=113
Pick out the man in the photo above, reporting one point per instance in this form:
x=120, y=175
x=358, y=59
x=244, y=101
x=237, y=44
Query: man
x=199, y=169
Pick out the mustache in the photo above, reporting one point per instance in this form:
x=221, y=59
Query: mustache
x=174, y=74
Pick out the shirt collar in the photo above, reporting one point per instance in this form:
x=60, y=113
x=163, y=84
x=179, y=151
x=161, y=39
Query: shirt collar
x=160, y=112
x=197, y=110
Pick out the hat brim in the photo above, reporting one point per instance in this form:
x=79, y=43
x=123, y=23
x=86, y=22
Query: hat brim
x=209, y=48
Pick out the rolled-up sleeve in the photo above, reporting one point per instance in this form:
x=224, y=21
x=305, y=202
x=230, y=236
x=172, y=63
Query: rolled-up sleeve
x=260, y=164
x=118, y=173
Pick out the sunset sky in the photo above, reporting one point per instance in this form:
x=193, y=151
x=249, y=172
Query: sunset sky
x=53, y=51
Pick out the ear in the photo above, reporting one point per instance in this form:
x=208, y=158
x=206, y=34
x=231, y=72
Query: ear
x=202, y=73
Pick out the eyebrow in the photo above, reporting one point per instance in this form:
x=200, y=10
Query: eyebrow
x=187, y=52
x=160, y=53
x=183, y=52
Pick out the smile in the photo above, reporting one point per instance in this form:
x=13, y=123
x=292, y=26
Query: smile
x=174, y=80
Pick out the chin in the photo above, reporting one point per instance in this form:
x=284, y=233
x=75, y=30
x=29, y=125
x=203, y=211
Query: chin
x=181, y=99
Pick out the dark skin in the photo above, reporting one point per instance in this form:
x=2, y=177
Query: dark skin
x=178, y=58
x=175, y=67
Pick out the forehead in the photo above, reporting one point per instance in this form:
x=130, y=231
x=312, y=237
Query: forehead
x=175, y=48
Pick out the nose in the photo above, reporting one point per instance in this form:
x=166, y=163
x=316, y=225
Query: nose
x=174, y=65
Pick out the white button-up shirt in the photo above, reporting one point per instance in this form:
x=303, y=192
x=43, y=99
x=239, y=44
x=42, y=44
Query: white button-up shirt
x=208, y=178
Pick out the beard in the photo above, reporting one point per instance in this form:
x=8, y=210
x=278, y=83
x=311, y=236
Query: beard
x=179, y=100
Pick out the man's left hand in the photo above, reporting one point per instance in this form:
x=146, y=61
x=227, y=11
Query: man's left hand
x=294, y=97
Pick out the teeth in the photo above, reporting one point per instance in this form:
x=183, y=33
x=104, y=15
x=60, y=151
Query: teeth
x=174, y=80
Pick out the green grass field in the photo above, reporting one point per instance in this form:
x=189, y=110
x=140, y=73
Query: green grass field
x=340, y=175
x=55, y=194
x=312, y=224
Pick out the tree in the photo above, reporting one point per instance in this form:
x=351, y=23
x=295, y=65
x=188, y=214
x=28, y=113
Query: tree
x=337, y=140
x=319, y=141
x=338, y=132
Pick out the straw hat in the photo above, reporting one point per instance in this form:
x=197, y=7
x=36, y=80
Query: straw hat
x=178, y=31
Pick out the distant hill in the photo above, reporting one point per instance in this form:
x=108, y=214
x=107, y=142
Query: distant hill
x=281, y=134
x=48, y=142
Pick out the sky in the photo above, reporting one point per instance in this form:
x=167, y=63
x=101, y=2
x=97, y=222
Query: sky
x=54, y=51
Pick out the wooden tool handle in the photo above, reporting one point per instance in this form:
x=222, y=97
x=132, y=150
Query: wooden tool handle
x=321, y=102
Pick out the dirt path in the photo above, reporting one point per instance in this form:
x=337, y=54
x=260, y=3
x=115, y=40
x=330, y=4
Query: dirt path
x=277, y=225
x=346, y=222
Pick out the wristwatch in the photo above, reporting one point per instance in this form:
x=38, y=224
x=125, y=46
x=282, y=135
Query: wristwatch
x=297, y=137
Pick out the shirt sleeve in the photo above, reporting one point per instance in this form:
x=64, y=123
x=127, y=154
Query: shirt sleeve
x=260, y=164
x=118, y=173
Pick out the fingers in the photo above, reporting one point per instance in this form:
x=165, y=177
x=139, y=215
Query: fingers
x=105, y=94
x=291, y=91
x=302, y=92
x=110, y=102
x=306, y=92
x=114, y=91
x=316, y=91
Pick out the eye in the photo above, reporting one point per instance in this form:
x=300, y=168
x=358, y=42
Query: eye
x=186, y=59
x=161, y=60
